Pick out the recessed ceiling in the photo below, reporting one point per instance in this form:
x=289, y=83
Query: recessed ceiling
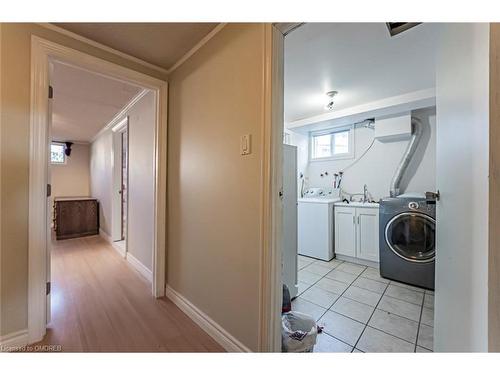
x=359, y=60
x=161, y=44
x=85, y=102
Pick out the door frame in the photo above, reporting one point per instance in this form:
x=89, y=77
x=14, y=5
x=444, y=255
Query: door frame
x=117, y=202
x=42, y=53
x=272, y=186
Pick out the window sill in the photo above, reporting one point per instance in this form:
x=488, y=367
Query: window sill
x=333, y=158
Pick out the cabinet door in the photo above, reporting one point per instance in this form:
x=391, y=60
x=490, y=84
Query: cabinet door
x=367, y=234
x=345, y=231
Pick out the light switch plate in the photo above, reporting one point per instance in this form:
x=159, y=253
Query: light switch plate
x=245, y=144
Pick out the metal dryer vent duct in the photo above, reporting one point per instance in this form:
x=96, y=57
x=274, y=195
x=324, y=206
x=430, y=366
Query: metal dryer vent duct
x=407, y=156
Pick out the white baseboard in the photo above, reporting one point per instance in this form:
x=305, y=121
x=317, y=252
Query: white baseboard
x=14, y=341
x=109, y=240
x=219, y=334
x=139, y=267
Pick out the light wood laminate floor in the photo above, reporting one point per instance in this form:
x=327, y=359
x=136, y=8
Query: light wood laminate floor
x=101, y=304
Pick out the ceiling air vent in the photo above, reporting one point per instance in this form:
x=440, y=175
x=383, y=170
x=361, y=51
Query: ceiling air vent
x=396, y=28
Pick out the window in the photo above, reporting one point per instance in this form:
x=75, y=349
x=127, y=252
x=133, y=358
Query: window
x=332, y=145
x=57, y=155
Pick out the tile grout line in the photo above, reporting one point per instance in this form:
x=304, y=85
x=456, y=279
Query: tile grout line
x=419, y=322
x=390, y=282
x=368, y=321
x=328, y=309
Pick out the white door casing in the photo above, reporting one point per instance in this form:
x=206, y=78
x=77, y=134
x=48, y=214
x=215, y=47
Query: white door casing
x=116, y=222
x=42, y=53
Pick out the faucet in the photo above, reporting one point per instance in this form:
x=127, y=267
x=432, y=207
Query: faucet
x=365, y=194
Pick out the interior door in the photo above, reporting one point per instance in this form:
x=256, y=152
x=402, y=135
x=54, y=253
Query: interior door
x=367, y=234
x=462, y=167
x=345, y=231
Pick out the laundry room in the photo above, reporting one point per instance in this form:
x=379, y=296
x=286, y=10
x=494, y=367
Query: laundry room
x=359, y=183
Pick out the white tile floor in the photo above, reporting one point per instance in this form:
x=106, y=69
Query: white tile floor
x=360, y=311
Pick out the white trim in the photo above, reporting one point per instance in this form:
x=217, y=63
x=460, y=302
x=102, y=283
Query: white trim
x=272, y=182
x=213, y=329
x=120, y=126
x=139, y=267
x=103, y=47
x=197, y=46
x=14, y=341
x=43, y=51
x=119, y=117
x=108, y=239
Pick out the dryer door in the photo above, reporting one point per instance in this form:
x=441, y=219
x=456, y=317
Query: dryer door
x=412, y=236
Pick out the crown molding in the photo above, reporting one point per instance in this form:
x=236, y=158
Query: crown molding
x=103, y=47
x=197, y=46
x=119, y=116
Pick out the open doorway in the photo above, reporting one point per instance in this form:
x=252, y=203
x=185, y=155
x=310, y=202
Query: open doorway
x=120, y=184
x=88, y=101
x=459, y=206
x=359, y=218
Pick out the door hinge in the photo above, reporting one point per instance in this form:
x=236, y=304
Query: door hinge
x=51, y=92
x=432, y=197
x=47, y=288
x=49, y=190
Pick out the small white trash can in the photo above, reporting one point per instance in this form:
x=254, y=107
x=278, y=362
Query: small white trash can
x=298, y=332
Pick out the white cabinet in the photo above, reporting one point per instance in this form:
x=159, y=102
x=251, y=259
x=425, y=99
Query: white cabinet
x=345, y=231
x=367, y=234
x=357, y=231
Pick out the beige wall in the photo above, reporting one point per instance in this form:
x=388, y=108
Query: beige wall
x=73, y=178
x=141, y=179
x=14, y=160
x=214, y=193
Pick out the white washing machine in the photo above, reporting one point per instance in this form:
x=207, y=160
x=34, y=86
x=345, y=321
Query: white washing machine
x=315, y=223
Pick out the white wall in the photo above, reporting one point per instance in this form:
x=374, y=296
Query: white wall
x=377, y=167
x=461, y=302
x=73, y=178
x=101, y=177
x=141, y=179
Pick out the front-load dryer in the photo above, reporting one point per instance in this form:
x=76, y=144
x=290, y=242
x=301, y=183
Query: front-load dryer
x=408, y=240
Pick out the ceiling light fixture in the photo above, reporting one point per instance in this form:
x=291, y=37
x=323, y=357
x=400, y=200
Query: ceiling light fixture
x=330, y=102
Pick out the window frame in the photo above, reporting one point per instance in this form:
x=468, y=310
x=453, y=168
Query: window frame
x=331, y=132
x=64, y=154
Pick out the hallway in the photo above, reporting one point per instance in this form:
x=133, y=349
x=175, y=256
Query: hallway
x=100, y=304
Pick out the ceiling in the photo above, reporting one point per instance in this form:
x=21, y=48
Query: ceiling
x=359, y=60
x=161, y=44
x=85, y=102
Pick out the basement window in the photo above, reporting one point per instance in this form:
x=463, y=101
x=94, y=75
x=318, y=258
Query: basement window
x=333, y=144
x=57, y=155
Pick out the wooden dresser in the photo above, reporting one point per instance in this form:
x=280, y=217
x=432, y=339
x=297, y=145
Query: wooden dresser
x=75, y=217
